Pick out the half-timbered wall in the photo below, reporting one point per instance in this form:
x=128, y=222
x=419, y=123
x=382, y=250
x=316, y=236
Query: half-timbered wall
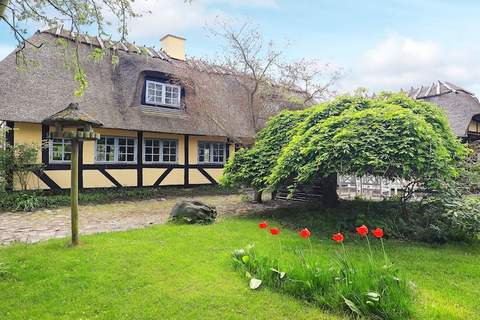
x=185, y=171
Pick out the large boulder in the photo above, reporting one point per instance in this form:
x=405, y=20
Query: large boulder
x=193, y=212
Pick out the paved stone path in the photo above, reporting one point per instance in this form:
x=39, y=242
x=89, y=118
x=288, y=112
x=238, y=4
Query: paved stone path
x=47, y=224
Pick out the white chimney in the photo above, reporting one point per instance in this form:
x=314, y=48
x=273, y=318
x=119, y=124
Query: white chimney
x=173, y=46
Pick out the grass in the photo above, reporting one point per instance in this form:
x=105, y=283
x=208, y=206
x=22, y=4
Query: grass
x=185, y=272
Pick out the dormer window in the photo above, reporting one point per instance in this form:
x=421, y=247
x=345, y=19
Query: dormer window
x=162, y=94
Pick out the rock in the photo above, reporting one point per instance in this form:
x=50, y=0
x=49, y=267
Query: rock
x=193, y=212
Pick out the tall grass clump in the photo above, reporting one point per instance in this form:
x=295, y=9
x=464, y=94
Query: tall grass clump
x=371, y=288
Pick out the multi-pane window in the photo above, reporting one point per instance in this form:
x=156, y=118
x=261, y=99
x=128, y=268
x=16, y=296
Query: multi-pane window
x=160, y=150
x=111, y=149
x=172, y=95
x=211, y=152
x=60, y=150
x=126, y=150
x=159, y=93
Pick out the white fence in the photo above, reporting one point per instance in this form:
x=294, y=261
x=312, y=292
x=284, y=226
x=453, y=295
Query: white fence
x=368, y=187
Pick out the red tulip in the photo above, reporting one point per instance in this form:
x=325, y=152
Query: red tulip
x=305, y=233
x=362, y=230
x=378, y=233
x=338, y=237
x=274, y=231
x=263, y=224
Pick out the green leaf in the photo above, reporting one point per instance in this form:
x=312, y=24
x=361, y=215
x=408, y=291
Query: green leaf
x=352, y=306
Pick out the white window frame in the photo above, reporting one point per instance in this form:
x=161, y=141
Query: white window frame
x=160, y=159
x=50, y=152
x=210, y=156
x=116, y=151
x=164, y=93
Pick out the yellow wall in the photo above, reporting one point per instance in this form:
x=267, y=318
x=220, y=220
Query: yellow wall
x=61, y=177
x=196, y=177
x=126, y=177
x=151, y=175
x=175, y=177
x=95, y=179
x=215, y=173
x=29, y=133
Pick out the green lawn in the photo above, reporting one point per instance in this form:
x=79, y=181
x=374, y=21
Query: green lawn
x=184, y=272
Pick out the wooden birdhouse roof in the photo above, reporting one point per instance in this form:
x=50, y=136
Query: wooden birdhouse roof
x=72, y=116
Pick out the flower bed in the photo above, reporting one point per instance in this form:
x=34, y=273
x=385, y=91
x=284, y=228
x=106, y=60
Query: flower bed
x=372, y=288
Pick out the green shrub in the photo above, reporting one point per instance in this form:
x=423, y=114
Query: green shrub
x=33, y=200
x=449, y=220
x=360, y=289
x=438, y=221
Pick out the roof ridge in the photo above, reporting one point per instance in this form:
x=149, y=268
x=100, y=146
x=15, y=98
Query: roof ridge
x=437, y=88
x=97, y=41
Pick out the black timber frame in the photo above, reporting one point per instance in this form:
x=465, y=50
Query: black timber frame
x=103, y=167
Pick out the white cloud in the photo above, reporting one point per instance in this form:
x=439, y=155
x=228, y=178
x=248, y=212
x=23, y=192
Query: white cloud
x=402, y=62
x=164, y=16
x=5, y=50
x=167, y=16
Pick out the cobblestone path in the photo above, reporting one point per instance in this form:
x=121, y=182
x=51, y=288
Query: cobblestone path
x=55, y=223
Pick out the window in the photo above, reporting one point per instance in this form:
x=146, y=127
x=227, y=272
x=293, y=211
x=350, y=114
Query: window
x=126, y=150
x=60, y=150
x=211, y=152
x=160, y=93
x=116, y=150
x=160, y=150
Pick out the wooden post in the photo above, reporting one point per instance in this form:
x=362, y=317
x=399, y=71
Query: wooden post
x=74, y=192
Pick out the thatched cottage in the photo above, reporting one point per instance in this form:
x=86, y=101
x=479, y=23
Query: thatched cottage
x=155, y=133
x=152, y=134
x=461, y=107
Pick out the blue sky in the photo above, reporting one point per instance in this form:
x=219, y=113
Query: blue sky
x=389, y=44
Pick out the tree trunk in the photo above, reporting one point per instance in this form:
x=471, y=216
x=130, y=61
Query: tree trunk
x=257, y=196
x=329, y=188
x=274, y=194
x=74, y=193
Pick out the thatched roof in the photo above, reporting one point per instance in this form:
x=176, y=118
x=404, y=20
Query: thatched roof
x=114, y=92
x=460, y=105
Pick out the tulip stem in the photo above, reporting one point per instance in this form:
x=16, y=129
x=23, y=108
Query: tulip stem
x=370, y=250
x=281, y=253
x=345, y=254
x=311, y=247
x=384, y=252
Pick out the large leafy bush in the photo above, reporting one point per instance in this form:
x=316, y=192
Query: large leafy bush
x=252, y=167
x=391, y=136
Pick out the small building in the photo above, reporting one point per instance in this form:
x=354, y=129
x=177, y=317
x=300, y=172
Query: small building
x=461, y=107
x=153, y=133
